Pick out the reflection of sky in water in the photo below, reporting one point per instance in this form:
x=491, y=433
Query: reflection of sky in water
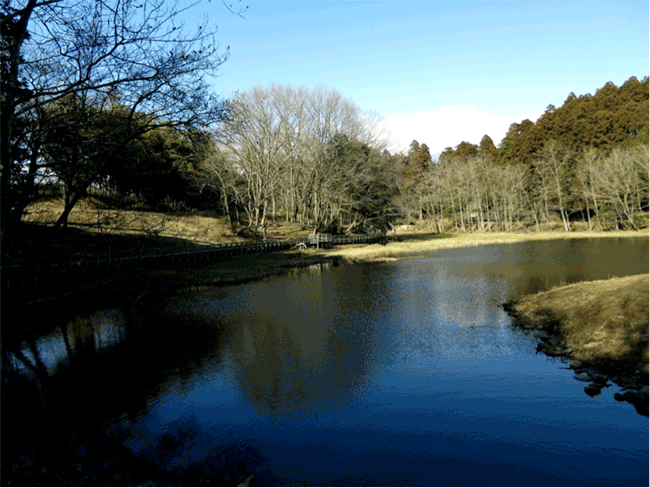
x=402, y=373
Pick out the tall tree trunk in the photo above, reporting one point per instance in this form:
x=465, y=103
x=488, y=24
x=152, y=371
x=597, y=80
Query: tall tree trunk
x=29, y=188
x=273, y=206
x=10, y=213
x=226, y=206
x=71, y=199
x=589, y=223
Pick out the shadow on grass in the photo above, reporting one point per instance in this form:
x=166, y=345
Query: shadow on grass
x=419, y=237
x=42, y=241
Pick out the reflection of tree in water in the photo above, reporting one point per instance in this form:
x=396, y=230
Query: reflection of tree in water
x=310, y=347
x=73, y=340
x=92, y=368
x=184, y=447
x=84, y=343
x=36, y=365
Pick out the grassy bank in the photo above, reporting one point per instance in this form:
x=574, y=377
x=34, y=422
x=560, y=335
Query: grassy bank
x=405, y=245
x=102, y=225
x=601, y=325
x=601, y=321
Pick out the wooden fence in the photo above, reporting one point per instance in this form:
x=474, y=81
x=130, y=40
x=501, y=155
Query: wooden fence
x=29, y=272
x=321, y=240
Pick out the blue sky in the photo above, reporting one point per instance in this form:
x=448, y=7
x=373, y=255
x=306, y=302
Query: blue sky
x=438, y=72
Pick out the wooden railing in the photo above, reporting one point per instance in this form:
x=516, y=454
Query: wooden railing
x=29, y=272
x=321, y=240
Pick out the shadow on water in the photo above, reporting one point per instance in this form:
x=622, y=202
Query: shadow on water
x=58, y=389
x=603, y=370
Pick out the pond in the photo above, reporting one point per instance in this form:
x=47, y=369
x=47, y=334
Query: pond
x=402, y=373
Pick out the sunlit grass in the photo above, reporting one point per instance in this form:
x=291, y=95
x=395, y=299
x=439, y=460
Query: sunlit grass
x=604, y=320
x=195, y=227
x=412, y=244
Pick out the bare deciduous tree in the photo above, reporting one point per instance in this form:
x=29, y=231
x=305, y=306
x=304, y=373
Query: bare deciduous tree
x=280, y=139
x=134, y=52
x=620, y=180
x=553, y=166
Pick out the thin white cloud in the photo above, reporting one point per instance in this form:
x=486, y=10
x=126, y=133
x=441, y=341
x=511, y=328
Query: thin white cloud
x=447, y=127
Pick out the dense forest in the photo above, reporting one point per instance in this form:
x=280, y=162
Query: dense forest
x=607, y=190
x=587, y=160
x=134, y=124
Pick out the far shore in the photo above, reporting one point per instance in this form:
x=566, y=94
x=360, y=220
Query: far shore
x=254, y=267
x=401, y=246
x=247, y=268
x=243, y=269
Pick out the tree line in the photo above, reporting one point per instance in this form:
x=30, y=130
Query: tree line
x=607, y=190
x=110, y=98
x=585, y=161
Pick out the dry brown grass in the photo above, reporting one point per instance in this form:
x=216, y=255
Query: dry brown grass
x=419, y=242
x=92, y=217
x=602, y=321
x=196, y=227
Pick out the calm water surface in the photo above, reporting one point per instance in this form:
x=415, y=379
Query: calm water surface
x=384, y=374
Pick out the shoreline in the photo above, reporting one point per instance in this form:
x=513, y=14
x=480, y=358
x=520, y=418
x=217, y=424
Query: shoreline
x=129, y=285
x=243, y=269
x=600, y=326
